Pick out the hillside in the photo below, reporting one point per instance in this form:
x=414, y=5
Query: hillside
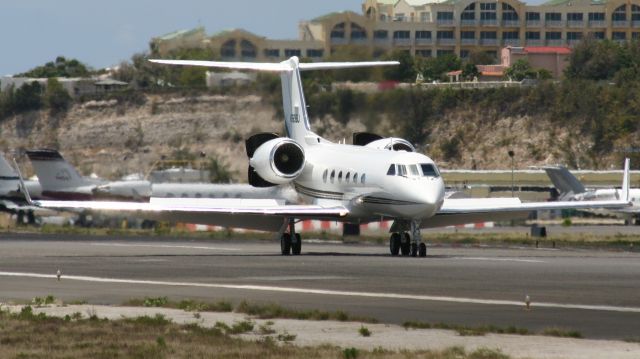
x=113, y=139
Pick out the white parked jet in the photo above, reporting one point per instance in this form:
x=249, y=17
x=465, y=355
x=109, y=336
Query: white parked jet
x=571, y=189
x=374, y=179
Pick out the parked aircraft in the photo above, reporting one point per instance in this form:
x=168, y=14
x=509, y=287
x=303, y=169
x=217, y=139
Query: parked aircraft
x=571, y=189
x=12, y=200
x=374, y=179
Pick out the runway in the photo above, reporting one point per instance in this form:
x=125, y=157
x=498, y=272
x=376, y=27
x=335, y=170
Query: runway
x=595, y=292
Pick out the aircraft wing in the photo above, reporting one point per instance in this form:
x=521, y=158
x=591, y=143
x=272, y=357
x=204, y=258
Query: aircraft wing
x=267, y=215
x=469, y=210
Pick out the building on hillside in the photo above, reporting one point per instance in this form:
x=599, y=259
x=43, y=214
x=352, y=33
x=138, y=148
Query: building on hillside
x=429, y=28
x=552, y=59
x=75, y=86
x=226, y=79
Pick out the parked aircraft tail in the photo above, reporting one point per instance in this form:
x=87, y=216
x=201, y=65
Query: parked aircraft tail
x=54, y=172
x=565, y=182
x=295, y=110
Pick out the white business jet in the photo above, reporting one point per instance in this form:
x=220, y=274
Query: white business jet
x=374, y=179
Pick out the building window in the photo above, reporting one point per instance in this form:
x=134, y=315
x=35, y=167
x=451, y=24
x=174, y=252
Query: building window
x=247, y=49
x=469, y=12
x=620, y=14
x=553, y=35
x=635, y=13
x=338, y=31
x=467, y=35
x=574, y=16
x=292, y=52
x=574, y=36
x=553, y=16
x=509, y=13
x=532, y=35
x=444, y=52
x=447, y=35
x=380, y=34
x=272, y=52
x=357, y=32
x=228, y=49
x=488, y=6
x=510, y=35
x=635, y=35
x=445, y=15
x=423, y=34
x=533, y=16
x=489, y=35
x=619, y=35
x=423, y=53
x=598, y=35
x=315, y=53
x=596, y=16
x=399, y=17
x=401, y=35
x=425, y=16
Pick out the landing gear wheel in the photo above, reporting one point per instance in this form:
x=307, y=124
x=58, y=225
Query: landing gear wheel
x=405, y=247
x=414, y=249
x=394, y=243
x=296, y=247
x=285, y=244
x=422, y=250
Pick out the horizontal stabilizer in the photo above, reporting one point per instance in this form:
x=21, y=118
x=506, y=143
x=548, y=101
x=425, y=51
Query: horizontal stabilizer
x=287, y=65
x=344, y=65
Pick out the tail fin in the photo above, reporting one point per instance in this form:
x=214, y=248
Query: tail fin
x=564, y=181
x=54, y=172
x=295, y=110
x=626, y=183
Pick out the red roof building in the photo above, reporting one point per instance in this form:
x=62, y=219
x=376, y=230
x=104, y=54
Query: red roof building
x=553, y=59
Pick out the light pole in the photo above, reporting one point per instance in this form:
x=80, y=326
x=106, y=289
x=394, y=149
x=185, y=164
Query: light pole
x=511, y=154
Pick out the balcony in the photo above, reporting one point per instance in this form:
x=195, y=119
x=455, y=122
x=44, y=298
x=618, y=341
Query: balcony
x=445, y=22
x=468, y=22
x=535, y=42
x=555, y=42
x=534, y=23
x=359, y=41
x=511, y=23
x=597, y=23
x=489, y=42
x=554, y=23
x=468, y=42
x=381, y=41
x=448, y=42
x=575, y=23
x=402, y=42
x=620, y=23
x=423, y=41
x=573, y=42
x=492, y=22
x=511, y=42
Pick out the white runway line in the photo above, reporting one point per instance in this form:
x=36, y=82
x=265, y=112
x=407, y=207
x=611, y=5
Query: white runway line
x=164, y=246
x=463, y=300
x=500, y=259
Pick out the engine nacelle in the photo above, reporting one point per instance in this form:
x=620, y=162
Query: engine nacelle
x=278, y=161
x=392, y=143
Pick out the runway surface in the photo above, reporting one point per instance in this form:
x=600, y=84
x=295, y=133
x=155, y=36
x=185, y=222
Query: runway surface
x=595, y=292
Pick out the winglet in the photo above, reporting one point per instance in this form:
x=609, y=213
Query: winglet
x=22, y=185
x=625, y=181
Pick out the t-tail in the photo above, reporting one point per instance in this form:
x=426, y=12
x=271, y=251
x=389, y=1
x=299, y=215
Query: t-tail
x=564, y=181
x=54, y=172
x=296, y=118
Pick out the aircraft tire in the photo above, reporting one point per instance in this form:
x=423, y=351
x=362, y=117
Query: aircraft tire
x=285, y=244
x=394, y=243
x=422, y=250
x=296, y=247
x=405, y=247
x=414, y=249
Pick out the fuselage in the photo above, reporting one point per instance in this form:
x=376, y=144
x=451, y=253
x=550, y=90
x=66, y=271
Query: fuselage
x=612, y=194
x=371, y=182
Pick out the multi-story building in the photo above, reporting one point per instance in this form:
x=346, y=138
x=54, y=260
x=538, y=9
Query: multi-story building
x=432, y=28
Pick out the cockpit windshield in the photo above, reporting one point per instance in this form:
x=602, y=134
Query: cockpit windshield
x=429, y=170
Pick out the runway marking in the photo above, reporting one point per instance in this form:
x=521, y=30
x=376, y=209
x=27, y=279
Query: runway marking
x=299, y=277
x=265, y=288
x=501, y=259
x=163, y=246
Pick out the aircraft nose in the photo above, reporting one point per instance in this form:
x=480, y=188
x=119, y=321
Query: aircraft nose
x=432, y=196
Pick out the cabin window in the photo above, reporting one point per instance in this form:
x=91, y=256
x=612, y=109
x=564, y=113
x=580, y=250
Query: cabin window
x=211, y=195
x=185, y=195
x=363, y=178
x=392, y=170
x=170, y=195
x=347, y=177
x=340, y=176
x=333, y=176
x=198, y=195
x=355, y=177
x=324, y=176
x=429, y=170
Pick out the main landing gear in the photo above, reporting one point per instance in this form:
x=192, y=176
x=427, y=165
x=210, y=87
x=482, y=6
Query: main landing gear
x=406, y=243
x=291, y=243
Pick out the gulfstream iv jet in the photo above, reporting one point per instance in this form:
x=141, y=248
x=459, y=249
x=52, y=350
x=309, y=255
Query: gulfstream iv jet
x=372, y=180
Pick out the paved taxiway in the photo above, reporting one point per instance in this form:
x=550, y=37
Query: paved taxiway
x=596, y=292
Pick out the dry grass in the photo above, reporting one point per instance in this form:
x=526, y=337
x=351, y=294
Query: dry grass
x=26, y=335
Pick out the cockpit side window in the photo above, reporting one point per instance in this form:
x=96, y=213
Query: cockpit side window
x=414, y=170
x=429, y=170
x=392, y=170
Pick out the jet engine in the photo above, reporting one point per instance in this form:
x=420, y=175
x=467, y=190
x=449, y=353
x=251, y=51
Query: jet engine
x=377, y=141
x=273, y=160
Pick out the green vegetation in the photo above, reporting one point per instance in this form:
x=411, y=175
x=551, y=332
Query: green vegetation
x=61, y=67
x=364, y=331
x=464, y=330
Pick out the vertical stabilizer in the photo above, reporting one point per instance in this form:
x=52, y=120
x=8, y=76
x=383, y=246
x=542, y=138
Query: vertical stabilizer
x=566, y=183
x=626, y=183
x=296, y=118
x=54, y=172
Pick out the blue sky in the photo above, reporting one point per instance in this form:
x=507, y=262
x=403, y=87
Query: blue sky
x=103, y=33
